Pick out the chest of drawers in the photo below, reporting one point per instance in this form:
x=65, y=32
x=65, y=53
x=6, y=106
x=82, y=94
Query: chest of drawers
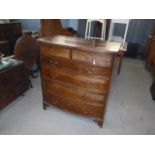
x=76, y=75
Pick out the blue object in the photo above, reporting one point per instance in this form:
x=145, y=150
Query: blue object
x=5, y=64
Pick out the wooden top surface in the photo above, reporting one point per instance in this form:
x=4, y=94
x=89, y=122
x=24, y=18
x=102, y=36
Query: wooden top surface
x=81, y=43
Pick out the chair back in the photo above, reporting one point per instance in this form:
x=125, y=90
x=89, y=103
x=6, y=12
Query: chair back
x=26, y=49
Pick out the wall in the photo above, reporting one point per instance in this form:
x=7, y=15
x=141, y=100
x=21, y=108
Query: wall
x=34, y=24
x=65, y=22
x=30, y=24
x=73, y=23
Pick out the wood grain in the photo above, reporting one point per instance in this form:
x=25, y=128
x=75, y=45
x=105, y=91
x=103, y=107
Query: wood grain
x=75, y=75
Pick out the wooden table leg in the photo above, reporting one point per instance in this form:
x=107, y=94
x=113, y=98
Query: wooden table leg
x=44, y=106
x=100, y=123
x=121, y=55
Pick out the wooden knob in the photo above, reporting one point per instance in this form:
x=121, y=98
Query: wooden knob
x=88, y=82
x=90, y=70
x=54, y=101
x=84, y=110
x=53, y=63
x=54, y=76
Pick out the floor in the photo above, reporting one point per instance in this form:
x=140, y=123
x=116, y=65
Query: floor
x=130, y=109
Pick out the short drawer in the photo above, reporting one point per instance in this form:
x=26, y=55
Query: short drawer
x=94, y=58
x=54, y=51
x=54, y=87
x=91, y=83
x=75, y=106
x=76, y=66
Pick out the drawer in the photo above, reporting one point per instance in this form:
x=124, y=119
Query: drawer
x=54, y=51
x=76, y=66
x=54, y=87
x=91, y=83
x=94, y=58
x=75, y=106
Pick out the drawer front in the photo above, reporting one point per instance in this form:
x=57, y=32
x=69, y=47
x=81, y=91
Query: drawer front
x=99, y=59
x=75, y=106
x=59, y=88
x=75, y=66
x=54, y=51
x=94, y=84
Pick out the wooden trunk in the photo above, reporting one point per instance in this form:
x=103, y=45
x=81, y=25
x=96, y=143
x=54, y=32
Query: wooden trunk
x=13, y=82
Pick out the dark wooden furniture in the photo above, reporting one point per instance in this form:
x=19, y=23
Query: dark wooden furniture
x=150, y=60
x=13, y=82
x=76, y=74
x=150, y=52
x=152, y=88
x=10, y=32
x=27, y=50
x=52, y=27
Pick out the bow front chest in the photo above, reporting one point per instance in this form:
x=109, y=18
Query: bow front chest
x=76, y=74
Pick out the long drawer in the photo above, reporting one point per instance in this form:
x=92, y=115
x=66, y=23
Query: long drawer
x=76, y=66
x=75, y=106
x=91, y=83
x=63, y=89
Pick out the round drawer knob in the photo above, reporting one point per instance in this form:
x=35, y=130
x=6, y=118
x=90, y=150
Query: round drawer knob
x=90, y=70
x=88, y=82
x=53, y=63
x=54, y=101
x=54, y=76
x=84, y=110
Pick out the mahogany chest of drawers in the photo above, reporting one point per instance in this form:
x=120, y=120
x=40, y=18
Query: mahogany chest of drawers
x=76, y=74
